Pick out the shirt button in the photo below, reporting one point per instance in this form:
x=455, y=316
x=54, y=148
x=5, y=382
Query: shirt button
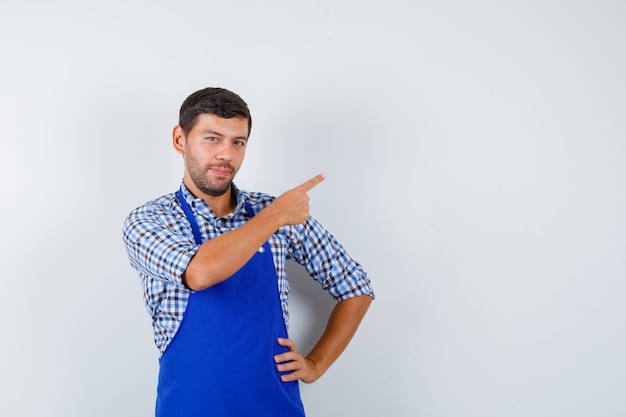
x=261, y=249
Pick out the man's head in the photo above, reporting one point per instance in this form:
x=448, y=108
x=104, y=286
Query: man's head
x=217, y=101
x=212, y=135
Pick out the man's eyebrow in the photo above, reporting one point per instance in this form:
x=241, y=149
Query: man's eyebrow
x=214, y=133
x=211, y=132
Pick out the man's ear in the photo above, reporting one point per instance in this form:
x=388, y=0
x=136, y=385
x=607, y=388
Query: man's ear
x=178, y=139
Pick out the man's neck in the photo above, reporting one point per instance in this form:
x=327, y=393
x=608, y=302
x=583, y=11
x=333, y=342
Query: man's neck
x=221, y=205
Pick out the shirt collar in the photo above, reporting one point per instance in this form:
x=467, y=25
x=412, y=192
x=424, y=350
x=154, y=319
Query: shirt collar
x=202, y=208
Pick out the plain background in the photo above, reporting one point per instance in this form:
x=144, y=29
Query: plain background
x=475, y=157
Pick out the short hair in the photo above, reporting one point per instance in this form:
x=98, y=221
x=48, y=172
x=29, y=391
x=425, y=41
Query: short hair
x=212, y=100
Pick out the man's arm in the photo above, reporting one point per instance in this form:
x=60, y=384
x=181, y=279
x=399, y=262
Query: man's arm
x=219, y=258
x=342, y=325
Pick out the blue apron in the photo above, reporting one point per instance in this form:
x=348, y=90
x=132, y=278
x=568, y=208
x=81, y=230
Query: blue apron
x=221, y=360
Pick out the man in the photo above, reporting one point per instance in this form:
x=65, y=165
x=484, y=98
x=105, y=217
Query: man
x=211, y=259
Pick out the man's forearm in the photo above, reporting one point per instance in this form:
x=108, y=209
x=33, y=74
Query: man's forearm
x=342, y=325
x=219, y=258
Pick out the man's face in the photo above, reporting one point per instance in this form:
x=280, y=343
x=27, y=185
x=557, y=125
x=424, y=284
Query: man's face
x=213, y=150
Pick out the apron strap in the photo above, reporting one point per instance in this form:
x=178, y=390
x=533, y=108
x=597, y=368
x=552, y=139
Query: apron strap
x=190, y=217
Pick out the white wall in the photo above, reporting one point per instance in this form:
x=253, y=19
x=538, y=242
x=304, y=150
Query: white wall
x=475, y=153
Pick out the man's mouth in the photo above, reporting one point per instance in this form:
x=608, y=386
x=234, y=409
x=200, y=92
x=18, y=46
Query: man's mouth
x=220, y=171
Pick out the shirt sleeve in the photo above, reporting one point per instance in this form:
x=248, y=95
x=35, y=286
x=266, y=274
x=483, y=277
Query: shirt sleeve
x=157, y=244
x=327, y=261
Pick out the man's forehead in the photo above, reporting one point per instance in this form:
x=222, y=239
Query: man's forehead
x=212, y=123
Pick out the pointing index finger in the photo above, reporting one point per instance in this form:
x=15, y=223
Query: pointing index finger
x=308, y=185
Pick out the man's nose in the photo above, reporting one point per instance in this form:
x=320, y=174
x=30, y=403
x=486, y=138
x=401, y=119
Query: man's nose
x=224, y=153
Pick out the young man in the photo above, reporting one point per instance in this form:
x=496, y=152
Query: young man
x=211, y=259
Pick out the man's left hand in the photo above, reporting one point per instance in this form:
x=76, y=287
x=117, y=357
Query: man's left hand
x=302, y=368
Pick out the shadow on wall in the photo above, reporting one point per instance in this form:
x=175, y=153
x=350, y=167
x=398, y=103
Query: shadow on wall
x=309, y=308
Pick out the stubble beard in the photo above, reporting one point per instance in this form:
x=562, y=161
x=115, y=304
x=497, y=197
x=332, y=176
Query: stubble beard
x=199, y=176
x=209, y=188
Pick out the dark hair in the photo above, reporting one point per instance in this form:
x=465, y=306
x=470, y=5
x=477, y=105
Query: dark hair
x=217, y=101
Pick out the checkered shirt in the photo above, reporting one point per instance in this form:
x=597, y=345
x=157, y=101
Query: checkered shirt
x=159, y=241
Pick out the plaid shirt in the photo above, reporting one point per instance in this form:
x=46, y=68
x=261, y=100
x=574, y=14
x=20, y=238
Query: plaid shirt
x=160, y=245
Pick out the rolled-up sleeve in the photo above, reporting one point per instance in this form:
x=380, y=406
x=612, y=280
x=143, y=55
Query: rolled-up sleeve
x=327, y=261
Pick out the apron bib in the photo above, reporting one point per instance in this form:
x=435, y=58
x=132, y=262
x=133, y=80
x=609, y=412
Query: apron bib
x=221, y=360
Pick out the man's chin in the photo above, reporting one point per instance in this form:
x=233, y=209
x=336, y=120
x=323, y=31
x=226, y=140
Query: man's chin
x=216, y=192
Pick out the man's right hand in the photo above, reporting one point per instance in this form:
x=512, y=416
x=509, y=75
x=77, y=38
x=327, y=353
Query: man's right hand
x=293, y=205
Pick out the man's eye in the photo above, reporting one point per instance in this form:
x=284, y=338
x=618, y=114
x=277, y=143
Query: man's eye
x=240, y=143
x=212, y=139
